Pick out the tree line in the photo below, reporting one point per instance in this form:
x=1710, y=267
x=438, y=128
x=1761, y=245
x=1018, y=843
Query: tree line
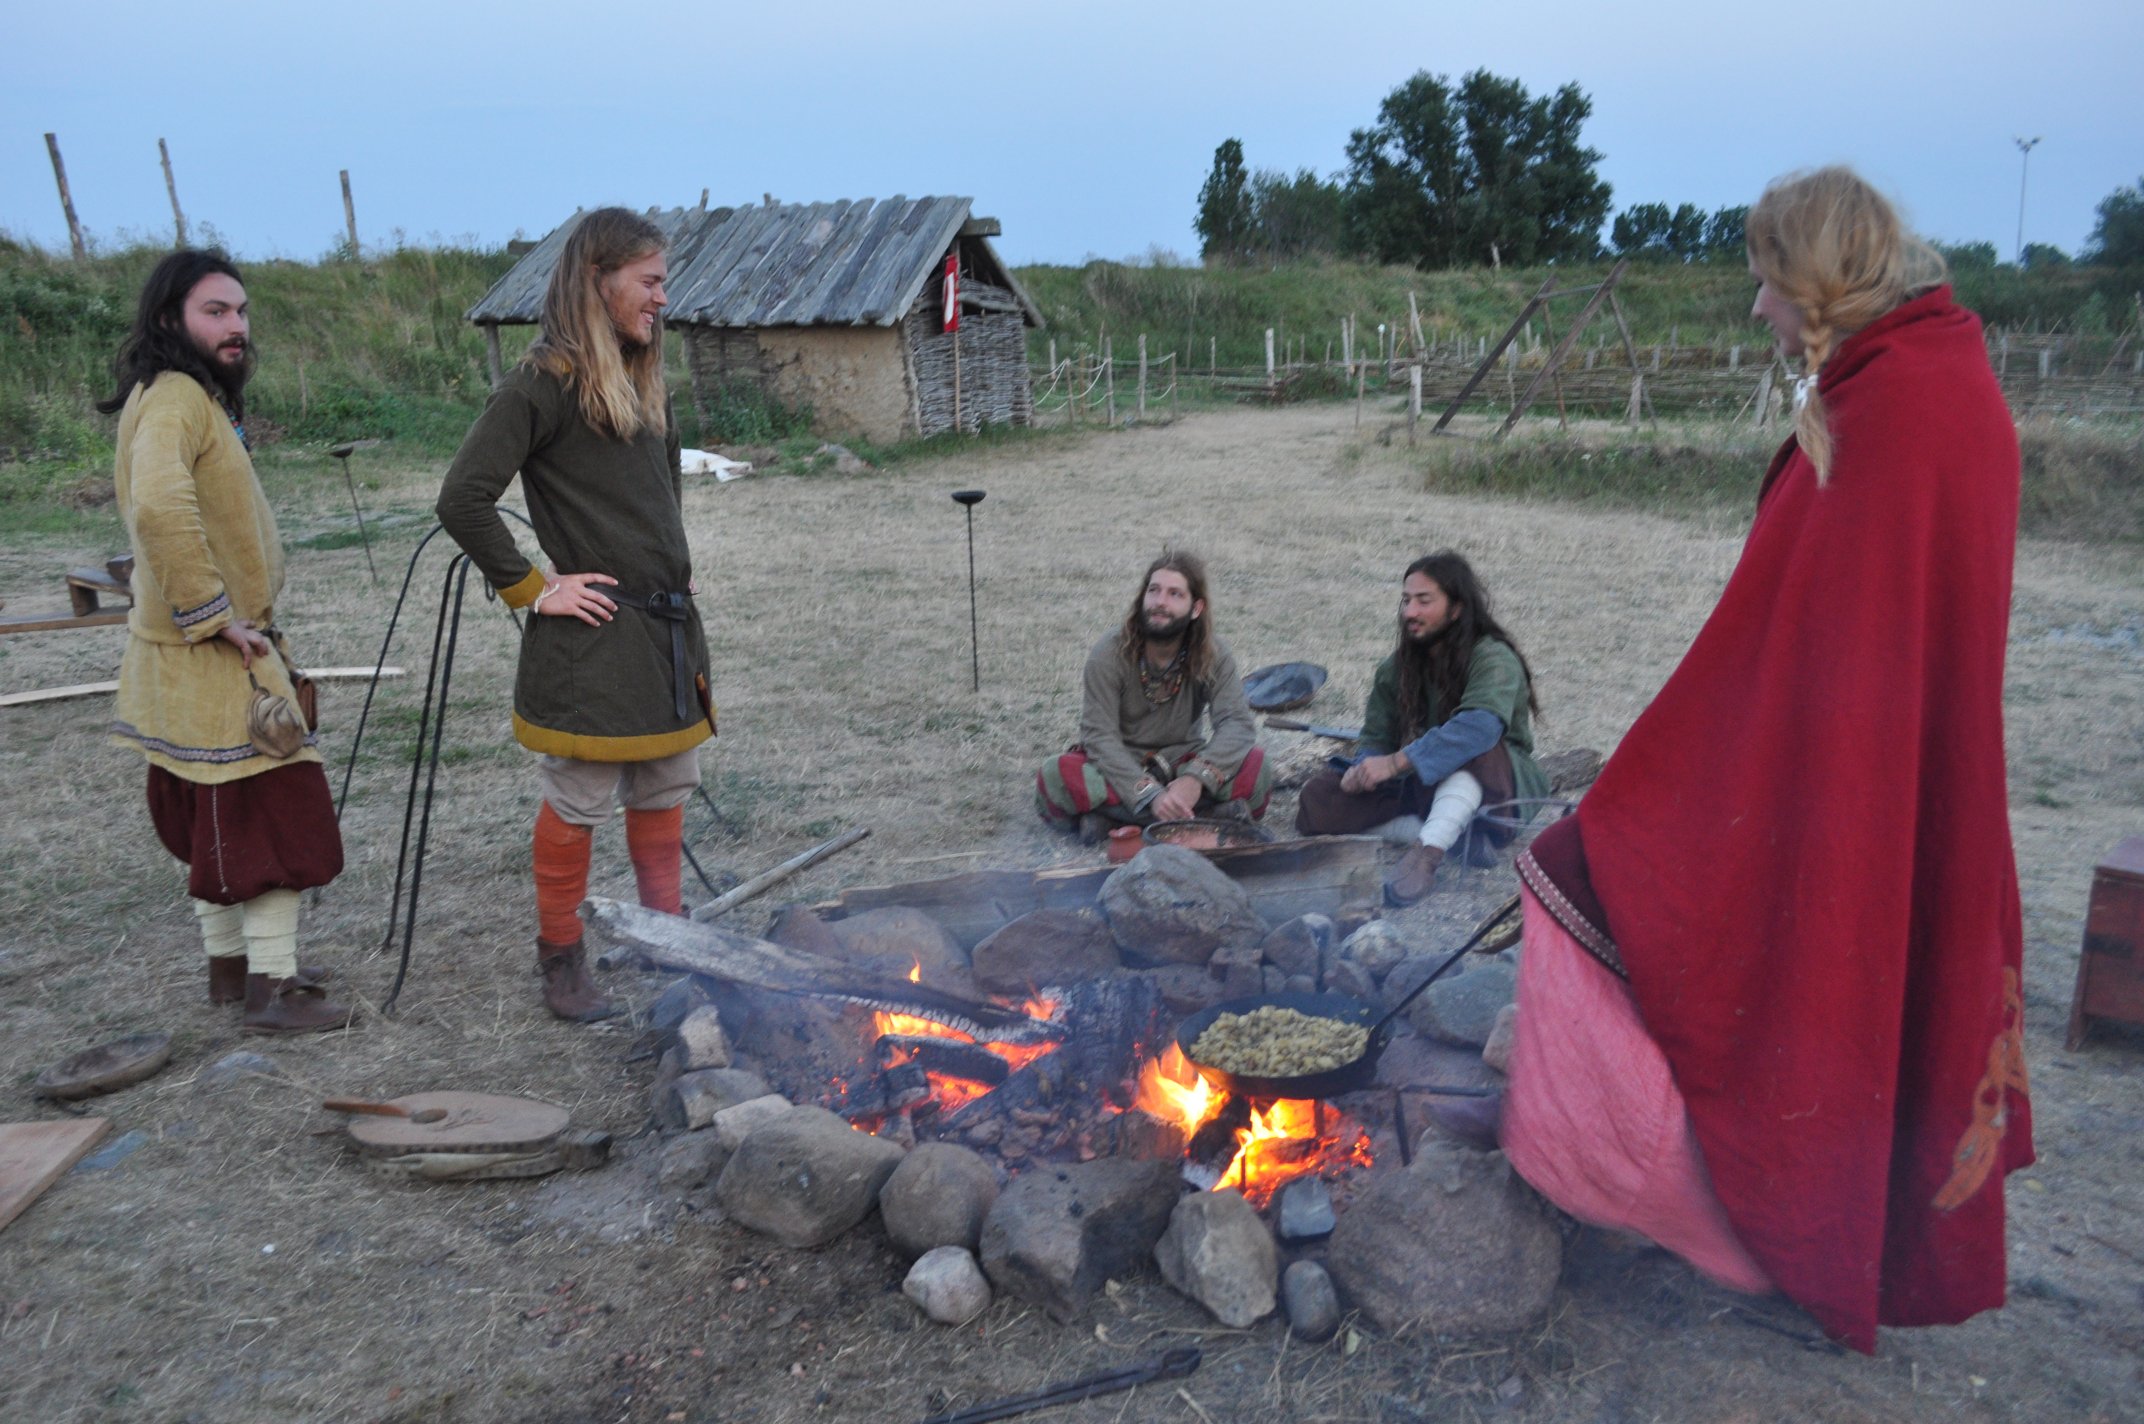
x=1480, y=173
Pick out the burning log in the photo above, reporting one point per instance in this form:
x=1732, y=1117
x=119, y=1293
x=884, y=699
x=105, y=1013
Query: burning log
x=1112, y=1022
x=951, y=1056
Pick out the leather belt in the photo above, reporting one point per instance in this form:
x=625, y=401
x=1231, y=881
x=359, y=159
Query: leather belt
x=676, y=610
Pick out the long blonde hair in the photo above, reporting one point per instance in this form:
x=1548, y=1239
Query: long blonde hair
x=1833, y=246
x=620, y=388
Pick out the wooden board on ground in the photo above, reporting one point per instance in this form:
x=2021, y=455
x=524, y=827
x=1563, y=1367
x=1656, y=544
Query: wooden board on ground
x=57, y=622
x=1325, y=875
x=33, y=1155
x=92, y=689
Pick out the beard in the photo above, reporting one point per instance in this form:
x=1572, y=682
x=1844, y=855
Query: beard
x=1412, y=639
x=1164, y=630
x=230, y=376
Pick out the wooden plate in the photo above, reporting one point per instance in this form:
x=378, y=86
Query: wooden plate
x=106, y=1068
x=453, y=1121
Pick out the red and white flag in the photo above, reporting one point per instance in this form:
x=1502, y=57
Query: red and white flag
x=952, y=291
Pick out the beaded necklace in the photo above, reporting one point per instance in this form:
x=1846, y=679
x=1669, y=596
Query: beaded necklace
x=1162, y=687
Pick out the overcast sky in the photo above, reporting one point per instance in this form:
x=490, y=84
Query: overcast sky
x=1086, y=128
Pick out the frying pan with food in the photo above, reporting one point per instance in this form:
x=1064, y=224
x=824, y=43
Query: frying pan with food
x=1346, y=1077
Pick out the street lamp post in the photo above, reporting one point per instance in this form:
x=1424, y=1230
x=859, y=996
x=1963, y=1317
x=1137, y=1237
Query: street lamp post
x=2025, y=146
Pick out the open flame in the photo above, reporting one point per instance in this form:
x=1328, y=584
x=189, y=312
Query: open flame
x=950, y=1091
x=1286, y=1139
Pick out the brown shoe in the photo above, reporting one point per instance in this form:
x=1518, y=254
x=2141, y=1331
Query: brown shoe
x=1415, y=875
x=285, y=1006
x=567, y=989
x=1471, y=1122
x=227, y=978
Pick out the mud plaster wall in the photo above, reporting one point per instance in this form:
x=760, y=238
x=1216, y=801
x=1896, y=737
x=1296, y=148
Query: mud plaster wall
x=853, y=378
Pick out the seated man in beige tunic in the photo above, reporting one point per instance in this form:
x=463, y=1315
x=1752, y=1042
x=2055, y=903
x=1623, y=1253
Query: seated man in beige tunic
x=1141, y=756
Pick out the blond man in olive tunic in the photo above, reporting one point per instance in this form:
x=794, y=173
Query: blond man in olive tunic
x=254, y=824
x=613, y=684
x=1165, y=731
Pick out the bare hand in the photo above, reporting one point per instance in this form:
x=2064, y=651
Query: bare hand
x=574, y=596
x=1180, y=801
x=1371, y=772
x=241, y=634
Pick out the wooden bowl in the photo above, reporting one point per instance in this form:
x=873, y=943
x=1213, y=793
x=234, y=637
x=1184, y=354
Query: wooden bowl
x=106, y=1068
x=1202, y=835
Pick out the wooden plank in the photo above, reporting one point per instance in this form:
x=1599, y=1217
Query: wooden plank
x=1327, y=875
x=55, y=622
x=982, y=227
x=33, y=1155
x=93, y=689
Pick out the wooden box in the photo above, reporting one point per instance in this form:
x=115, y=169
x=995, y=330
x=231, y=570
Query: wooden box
x=2110, y=975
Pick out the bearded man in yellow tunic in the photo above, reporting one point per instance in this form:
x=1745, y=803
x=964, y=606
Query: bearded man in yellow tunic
x=236, y=789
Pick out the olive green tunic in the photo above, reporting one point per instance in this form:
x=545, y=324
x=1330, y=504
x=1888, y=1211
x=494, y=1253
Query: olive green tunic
x=1496, y=682
x=602, y=506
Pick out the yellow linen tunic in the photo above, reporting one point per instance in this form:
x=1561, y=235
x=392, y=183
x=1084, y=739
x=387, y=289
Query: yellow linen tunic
x=205, y=551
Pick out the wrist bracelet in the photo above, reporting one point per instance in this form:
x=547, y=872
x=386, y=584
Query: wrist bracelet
x=548, y=590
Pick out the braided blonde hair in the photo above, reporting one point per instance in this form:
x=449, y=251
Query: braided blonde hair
x=1833, y=246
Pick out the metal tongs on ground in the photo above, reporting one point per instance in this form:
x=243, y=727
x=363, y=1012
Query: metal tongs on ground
x=1175, y=1364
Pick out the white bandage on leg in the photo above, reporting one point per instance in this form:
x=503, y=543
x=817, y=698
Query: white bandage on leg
x=271, y=929
x=221, y=934
x=1400, y=830
x=1451, y=807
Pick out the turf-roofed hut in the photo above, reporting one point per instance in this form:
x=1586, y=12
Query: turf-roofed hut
x=835, y=307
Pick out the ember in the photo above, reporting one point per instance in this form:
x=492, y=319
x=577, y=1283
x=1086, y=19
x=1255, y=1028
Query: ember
x=1284, y=1140
x=952, y=1089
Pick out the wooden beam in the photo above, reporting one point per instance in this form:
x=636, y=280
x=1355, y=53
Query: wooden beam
x=1604, y=292
x=349, y=213
x=59, y=174
x=982, y=227
x=1490, y=357
x=55, y=622
x=178, y=215
x=95, y=689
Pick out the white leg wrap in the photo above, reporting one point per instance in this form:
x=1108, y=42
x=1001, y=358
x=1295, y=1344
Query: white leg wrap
x=221, y=934
x=271, y=929
x=1400, y=830
x=1451, y=807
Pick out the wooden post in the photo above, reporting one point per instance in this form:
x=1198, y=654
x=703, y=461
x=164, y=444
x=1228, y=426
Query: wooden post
x=1511, y=376
x=1213, y=354
x=1176, y=387
x=1362, y=381
x=1269, y=355
x=1414, y=398
x=1734, y=358
x=703, y=200
x=2046, y=361
x=957, y=425
x=59, y=174
x=1414, y=320
x=178, y=215
x=1347, y=347
x=1142, y=378
x=493, y=364
x=1109, y=379
x=349, y=213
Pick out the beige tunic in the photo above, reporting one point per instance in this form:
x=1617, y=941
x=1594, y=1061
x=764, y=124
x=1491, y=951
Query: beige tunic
x=205, y=550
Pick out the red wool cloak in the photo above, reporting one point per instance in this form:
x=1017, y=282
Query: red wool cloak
x=1802, y=849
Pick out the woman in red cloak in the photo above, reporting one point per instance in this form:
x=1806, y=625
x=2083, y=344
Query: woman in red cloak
x=1769, y=1007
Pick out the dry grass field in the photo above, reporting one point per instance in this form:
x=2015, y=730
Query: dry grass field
x=237, y=1267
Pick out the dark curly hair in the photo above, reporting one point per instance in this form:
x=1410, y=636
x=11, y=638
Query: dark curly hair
x=158, y=341
x=1433, y=674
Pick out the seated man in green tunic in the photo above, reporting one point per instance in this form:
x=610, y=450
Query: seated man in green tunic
x=1447, y=733
x=1148, y=685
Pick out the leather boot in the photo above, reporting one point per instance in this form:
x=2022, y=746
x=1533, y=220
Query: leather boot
x=567, y=989
x=286, y=1006
x=227, y=978
x=1415, y=875
x=1471, y=1122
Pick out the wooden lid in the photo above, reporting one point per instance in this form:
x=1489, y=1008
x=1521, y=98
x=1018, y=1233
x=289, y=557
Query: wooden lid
x=464, y=1122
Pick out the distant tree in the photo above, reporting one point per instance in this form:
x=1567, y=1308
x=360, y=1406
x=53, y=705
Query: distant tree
x=2039, y=255
x=1969, y=256
x=1224, y=220
x=2118, y=237
x=1652, y=231
x=1295, y=217
x=1725, y=236
x=1447, y=176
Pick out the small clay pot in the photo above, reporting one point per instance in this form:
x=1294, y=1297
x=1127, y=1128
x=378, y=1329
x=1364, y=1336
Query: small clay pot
x=1123, y=844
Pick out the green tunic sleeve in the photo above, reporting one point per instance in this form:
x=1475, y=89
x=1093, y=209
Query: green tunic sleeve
x=515, y=422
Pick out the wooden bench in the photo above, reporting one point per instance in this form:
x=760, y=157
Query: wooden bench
x=86, y=589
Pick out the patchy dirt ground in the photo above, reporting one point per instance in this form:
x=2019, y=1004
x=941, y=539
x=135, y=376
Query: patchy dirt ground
x=235, y=1266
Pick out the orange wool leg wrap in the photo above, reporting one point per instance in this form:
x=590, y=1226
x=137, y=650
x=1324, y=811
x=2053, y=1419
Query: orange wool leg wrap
x=656, y=841
x=561, y=875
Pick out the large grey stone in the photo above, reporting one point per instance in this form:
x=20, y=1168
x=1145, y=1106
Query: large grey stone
x=899, y=939
x=940, y=1195
x=689, y=1161
x=1502, y=1034
x=700, y=1040
x=735, y=1123
x=1306, y=1209
x=678, y=999
x=799, y=927
x=687, y=1101
x=1296, y=945
x=1353, y=980
x=1169, y=905
x=948, y=1284
x=1462, y=1010
x=1043, y=948
x=805, y=1177
x=1185, y=988
x=1219, y=1253
x=1313, y=1306
x=1454, y=1242
x=1378, y=946
x=1057, y=1234
x=1240, y=970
